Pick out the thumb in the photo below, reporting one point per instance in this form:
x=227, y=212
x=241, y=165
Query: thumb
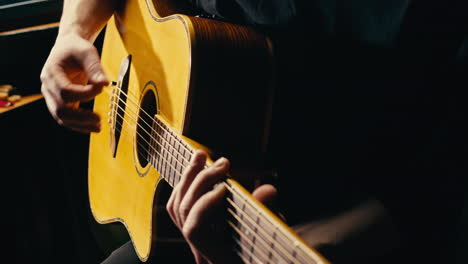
x=92, y=65
x=266, y=194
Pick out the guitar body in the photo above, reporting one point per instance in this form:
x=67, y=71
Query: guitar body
x=207, y=80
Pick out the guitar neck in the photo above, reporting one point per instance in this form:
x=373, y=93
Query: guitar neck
x=259, y=235
x=168, y=153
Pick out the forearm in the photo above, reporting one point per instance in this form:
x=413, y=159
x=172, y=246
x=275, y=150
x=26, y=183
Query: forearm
x=346, y=234
x=85, y=17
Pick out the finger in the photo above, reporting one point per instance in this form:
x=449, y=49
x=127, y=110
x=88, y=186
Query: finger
x=199, y=259
x=202, y=183
x=91, y=63
x=198, y=226
x=79, y=93
x=85, y=129
x=208, y=205
x=77, y=119
x=265, y=194
x=197, y=163
x=56, y=81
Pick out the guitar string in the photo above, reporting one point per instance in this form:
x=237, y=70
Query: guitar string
x=252, y=242
x=284, y=235
x=306, y=258
x=177, y=175
x=243, y=240
x=175, y=169
x=148, y=153
x=253, y=223
x=133, y=101
x=156, y=152
x=156, y=120
x=168, y=132
x=264, y=251
x=243, y=250
x=137, y=107
x=242, y=223
x=133, y=118
x=259, y=238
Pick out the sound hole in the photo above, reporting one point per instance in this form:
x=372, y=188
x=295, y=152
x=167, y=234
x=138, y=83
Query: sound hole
x=145, y=137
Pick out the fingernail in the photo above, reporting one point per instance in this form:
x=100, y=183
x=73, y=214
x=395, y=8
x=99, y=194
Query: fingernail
x=220, y=189
x=220, y=162
x=101, y=77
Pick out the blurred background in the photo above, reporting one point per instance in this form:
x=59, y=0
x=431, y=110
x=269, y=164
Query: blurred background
x=44, y=165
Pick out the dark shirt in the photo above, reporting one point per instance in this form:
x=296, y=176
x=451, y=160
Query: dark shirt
x=374, y=91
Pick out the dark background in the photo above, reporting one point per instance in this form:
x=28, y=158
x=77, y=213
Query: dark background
x=44, y=166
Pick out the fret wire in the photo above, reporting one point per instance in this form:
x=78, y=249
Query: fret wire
x=155, y=120
x=153, y=159
x=263, y=231
x=245, y=239
x=238, y=231
x=173, y=171
x=284, y=236
x=243, y=212
x=255, y=235
x=147, y=133
x=128, y=140
x=242, y=246
x=176, y=164
x=243, y=258
x=136, y=104
x=179, y=175
x=272, y=246
x=131, y=134
x=170, y=132
x=166, y=141
x=147, y=151
x=241, y=217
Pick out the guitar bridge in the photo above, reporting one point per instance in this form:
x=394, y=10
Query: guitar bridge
x=118, y=103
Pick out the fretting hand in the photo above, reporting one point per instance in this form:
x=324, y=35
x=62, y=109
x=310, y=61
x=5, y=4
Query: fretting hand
x=196, y=205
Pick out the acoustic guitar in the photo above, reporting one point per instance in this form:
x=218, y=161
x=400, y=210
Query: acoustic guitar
x=181, y=83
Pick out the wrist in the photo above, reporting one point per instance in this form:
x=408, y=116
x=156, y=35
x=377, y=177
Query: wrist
x=77, y=31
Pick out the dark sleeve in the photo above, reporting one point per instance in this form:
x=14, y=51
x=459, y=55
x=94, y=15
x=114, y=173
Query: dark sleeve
x=260, y=13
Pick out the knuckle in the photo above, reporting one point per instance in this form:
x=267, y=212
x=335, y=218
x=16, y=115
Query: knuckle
x=184, y=210
x=94, y=67
x=42, y=77
x=169, y=207
x=189, y=232
x=84, y=47
x=45, y=75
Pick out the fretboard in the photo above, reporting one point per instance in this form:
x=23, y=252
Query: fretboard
x=259, y=236
x=169, y=154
